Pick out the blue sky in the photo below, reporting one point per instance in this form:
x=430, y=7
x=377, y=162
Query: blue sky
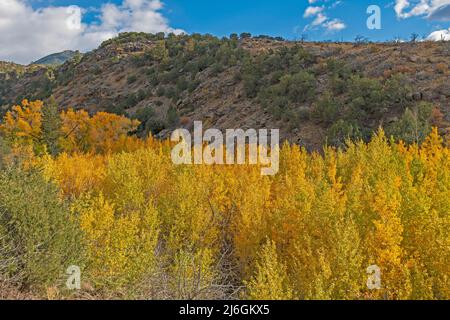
x=286, y=18
x=278, y=18
x=23, y=39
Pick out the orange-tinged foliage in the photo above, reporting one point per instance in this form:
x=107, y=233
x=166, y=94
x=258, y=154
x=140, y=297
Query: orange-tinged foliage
x=23, y=123
x=104, y=132
x=76, y=174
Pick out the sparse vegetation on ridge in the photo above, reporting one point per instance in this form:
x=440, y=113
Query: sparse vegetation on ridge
x=281, y=83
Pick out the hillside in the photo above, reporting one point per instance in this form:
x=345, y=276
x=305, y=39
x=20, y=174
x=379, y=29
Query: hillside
x=313, y=92
x=57, y=58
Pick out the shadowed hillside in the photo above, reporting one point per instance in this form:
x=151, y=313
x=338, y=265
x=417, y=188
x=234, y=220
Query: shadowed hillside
x=57, y=58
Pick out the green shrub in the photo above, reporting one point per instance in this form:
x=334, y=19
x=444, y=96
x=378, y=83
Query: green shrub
x=4, y=150
x=172, y=116
x=414, y=126
x=327, y=108
x=397, y=90
x=366, y=94
x=343, y=130
x=39, y=239
x=155, y=126
x=131, y=79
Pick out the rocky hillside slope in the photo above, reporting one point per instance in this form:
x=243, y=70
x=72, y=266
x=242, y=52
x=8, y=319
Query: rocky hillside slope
x=313, y=92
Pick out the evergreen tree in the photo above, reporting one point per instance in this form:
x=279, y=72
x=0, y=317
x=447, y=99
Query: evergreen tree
x=51, y=124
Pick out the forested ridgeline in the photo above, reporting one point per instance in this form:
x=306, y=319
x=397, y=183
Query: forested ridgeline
x=315, y=92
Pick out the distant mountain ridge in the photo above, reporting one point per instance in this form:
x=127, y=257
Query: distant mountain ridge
x=57, y=58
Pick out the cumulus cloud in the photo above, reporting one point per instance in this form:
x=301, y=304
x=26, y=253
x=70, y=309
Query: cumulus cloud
x=440, y=35
x=312, y=11
x=320, y=17
x=27, y=34
x=432, y=9
x=334, y=25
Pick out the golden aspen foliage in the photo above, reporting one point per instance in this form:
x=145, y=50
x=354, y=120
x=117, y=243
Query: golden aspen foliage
x=270, y=281
x=23, y=123
x=385, y=249
x=250, y=213
x=121, y=247
x=101, y=133
x=189, y=217
x=76, y=174
x=217, y=231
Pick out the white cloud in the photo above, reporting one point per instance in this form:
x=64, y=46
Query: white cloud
x=416, y=8
x=321, y=18
x=27, y=34
x=334, y=25
x=440, y=35
x=400, y=6
x=431, y=9
x=312, y=11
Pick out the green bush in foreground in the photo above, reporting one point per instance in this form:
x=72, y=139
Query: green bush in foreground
x=39, y=239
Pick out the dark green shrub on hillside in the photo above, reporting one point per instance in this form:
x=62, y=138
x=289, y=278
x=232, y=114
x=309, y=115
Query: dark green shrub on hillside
x=343, y=130
x=327, y=108
x=397, y=90
x=367, y=96
x=172, y=116
x=339, y=68
x=118, y=109
x=155, y=126
x=338, y=85
x=182, y=84
x=299, y=87
x=216, y=69
x=172, y=93
x=145, y=113
x=131, y=101
x=131, y=79
x=245, y=35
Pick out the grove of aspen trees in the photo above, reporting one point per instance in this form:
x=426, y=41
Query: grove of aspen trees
x=79, y=190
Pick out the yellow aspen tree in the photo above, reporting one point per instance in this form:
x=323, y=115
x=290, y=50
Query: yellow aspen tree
x=270, y=281
x=249, y=213
x=76, y=174
x=188, y=218
x=385, y=249
x=132, y=178
x=23, y=123
x=429, y=206
x=101, y=133
x=121, y=247
x=75, y=128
